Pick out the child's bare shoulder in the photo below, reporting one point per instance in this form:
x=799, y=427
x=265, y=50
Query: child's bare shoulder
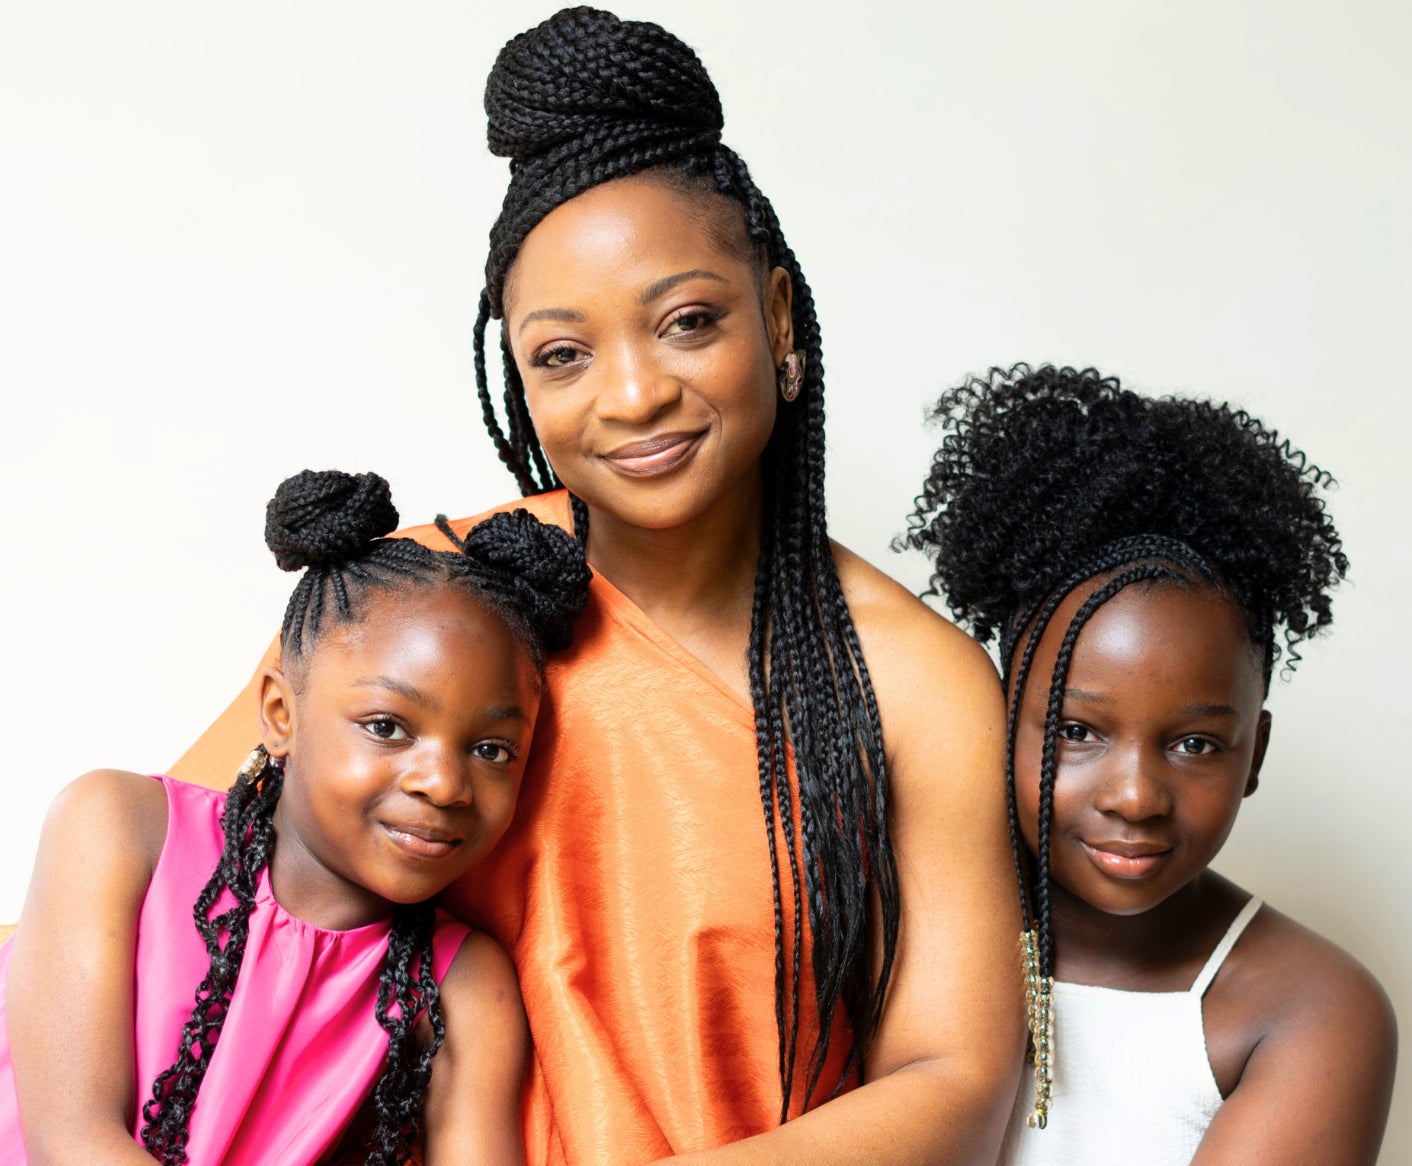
x=1287, y=997
x=1300, y=980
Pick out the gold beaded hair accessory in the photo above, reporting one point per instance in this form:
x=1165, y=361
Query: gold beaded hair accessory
x=1039, y=1016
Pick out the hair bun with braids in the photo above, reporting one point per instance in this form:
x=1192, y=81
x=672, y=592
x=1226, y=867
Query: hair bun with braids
x=538, y=568
x=583, y=74
x=321, y=517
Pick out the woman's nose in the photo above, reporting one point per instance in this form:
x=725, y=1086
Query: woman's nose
x=633, y=388
x=1133, y=787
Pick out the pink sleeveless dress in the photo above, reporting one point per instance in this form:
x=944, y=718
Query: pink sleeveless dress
x=301, y=1047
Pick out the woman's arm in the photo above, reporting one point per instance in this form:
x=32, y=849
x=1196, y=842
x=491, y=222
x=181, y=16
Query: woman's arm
x=1317, y=1086
x=473, y=1102
x=943, y=1068
x=70, y=992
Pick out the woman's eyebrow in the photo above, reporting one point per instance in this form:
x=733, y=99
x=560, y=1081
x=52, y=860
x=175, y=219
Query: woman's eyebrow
x=558, y=315
x=661, y=287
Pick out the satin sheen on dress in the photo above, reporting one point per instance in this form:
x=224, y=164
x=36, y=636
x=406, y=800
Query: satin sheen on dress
x=301, y=1046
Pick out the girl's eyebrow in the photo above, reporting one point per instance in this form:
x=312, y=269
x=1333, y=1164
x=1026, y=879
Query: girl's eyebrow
x=401, y=688
x=1195, y=709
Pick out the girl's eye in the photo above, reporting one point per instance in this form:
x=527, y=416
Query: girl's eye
x=1072, y=731
x=560, y=356
x=1195, y=746
x=494, y=752
x=689, y=321
x=385, y=729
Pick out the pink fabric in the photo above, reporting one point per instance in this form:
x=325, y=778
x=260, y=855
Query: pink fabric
x=301, y=1047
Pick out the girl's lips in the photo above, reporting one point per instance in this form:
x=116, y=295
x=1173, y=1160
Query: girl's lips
x=655, y=455
x=1125, y=860
x=421, y=842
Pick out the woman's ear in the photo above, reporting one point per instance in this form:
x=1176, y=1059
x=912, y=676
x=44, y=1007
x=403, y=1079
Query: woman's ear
x=779, y=313
x=1257, y=759
x=276, y=711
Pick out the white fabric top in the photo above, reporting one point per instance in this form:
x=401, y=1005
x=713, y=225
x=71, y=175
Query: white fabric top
x=1132, y=1081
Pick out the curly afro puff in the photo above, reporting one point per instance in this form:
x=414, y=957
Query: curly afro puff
x=1041, y=469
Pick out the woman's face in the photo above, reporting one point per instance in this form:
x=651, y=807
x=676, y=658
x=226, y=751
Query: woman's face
x=648, y=352
x=1161, y=736
x=405, y=739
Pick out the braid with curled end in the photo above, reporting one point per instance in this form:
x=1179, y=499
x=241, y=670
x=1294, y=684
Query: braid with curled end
x=586, y=98
x=1049, y=478
x=249, y=833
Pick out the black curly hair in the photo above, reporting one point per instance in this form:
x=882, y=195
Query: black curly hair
x=1048, y=478
x=585, y=98
x=329, y=524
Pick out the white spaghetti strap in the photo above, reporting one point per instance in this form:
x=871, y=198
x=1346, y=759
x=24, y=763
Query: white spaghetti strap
x=1223, y=949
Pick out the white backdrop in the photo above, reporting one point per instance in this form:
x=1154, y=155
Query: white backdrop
x=238, y=239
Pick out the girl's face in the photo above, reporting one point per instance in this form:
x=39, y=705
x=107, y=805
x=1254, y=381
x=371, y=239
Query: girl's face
x=648, y=352
x=1162, y=734
x=405, y=740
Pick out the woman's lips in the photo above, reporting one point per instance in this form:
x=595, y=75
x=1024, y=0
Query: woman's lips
x=653, y=455
x=1126, y=860
x=422, y=841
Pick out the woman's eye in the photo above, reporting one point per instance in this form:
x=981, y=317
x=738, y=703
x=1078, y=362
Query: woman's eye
x=1073, y=732
x=494, y=752
x=385, y=730
x=559, y=357
x=691, y=320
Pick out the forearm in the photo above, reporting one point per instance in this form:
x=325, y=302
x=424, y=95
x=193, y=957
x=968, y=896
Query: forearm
x=113, y=1146
x=924, y=1114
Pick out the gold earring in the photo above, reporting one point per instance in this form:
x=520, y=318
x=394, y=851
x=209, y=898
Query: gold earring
x=791, y=374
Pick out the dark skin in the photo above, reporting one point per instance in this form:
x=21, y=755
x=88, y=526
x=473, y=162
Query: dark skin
x=648, y=347
x=1162, y=737
x=404, y=737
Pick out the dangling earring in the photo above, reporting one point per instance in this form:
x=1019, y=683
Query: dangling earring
x=791, y=374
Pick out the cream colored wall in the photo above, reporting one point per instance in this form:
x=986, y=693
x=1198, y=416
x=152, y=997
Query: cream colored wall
x=236, y=240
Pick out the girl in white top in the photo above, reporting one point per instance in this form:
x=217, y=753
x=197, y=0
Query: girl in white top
x=1141, y=561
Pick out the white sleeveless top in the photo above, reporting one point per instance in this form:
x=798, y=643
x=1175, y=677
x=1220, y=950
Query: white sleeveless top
x=1132, y=1081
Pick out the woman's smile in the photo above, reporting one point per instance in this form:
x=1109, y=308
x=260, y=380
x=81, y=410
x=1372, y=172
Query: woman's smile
x=653, y=456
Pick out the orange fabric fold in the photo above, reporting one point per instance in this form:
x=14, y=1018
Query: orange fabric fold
x=633, y=891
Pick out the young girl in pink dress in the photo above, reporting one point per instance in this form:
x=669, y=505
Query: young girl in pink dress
x=1141, y=559
x=320, y=1007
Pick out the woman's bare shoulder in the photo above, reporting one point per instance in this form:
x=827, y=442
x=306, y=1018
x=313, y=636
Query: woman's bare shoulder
x=902, y=635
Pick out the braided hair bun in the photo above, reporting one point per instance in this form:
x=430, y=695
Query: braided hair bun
x=585, y=74
x=584, y=98
x=535, y=568
x=322, y=517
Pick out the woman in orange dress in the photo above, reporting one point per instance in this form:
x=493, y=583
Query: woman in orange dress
x=756, y=890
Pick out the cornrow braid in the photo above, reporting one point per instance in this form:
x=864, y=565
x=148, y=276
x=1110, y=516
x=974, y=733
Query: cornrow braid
x=1049, y=479
x=586, y=98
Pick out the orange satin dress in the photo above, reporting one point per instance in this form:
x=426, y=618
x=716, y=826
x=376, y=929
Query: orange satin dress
x=633, y=892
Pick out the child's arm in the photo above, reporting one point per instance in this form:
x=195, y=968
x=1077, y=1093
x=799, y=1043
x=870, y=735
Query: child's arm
x=473, y=1102
x=70, y=993
x=1317, y=1086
